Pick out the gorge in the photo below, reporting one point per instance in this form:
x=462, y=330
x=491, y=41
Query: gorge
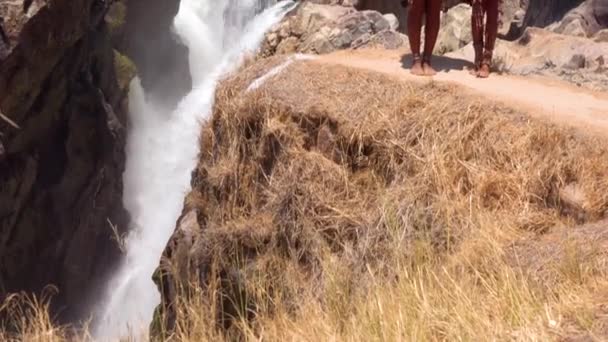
x=202, y=170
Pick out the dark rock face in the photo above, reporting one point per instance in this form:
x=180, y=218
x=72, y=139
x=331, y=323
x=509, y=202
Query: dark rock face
x=62, y=156
x=161, y=60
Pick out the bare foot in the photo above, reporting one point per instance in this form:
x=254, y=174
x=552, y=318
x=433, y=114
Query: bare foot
x=473, y=71
x=428, y=69
x=484, y=71
x=417, y=68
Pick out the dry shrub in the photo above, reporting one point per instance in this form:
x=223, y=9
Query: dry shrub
x=328, y=185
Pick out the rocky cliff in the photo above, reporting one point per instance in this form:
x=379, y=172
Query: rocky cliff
x=326, y=167
x=63, y=99
x=345, y=170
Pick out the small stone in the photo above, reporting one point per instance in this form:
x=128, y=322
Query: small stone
x=601, y=36
x=576, y=62
x=552, y=323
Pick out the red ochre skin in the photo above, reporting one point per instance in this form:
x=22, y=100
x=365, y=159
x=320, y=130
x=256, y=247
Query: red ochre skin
x=430, y=10
x=484, y=27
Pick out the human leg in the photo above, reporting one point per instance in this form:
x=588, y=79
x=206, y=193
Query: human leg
x=491, y=8
x=433, y=19
x=414, y=27
x=477, y=30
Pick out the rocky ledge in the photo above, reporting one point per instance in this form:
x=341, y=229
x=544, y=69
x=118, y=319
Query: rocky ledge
x=296, y=179
x=559, y=39
x=319, y=28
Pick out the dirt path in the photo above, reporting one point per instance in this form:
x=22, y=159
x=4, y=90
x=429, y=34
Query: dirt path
x=554, y=100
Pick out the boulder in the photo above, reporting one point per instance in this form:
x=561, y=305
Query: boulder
x=319, y=29
x=392, y=7
x=585, y=20
x=455, y=29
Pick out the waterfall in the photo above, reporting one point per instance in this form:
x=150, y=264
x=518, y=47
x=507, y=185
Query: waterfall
x=162, y=148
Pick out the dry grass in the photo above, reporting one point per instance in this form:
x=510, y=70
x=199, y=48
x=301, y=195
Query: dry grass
x=348, y=206
x=321, y=203
x=27, y=318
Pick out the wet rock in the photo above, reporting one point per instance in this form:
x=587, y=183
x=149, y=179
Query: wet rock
x=148, y=40
x=61, y=171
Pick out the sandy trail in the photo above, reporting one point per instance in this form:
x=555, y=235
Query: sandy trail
x=557, y=101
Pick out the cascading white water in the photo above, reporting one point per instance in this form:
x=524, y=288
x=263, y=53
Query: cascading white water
x=162, y=149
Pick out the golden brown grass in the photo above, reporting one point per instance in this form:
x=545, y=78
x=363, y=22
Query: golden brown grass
x=473, y=297
x=323, y=202
x=27, y=318
x=348, y=206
